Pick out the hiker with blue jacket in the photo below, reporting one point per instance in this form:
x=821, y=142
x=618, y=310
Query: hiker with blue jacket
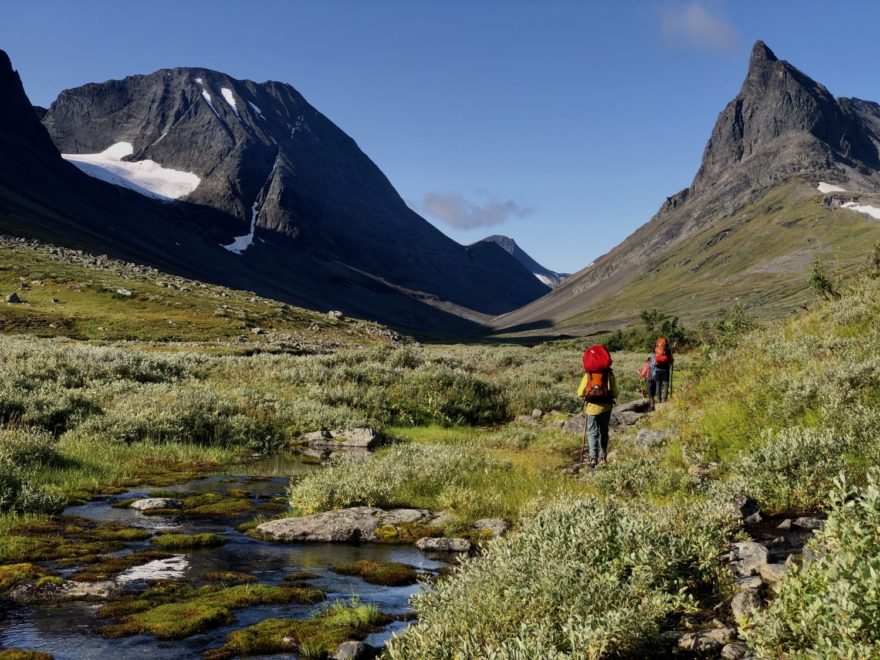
x=658, y=370
x=599, y=390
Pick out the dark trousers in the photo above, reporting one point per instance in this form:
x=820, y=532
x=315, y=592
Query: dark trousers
x=597, y=431
x=659, y=389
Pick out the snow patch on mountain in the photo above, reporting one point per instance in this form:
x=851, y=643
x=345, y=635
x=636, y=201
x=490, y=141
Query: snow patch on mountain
x=230, y=99
x=146, y=177
x=829, y=188
x=873, y=211
x=241, y=243
x=257, y=109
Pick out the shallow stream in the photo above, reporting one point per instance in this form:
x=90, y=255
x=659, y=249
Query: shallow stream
x=69, y=630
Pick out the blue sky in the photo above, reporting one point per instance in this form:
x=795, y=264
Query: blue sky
x=563, y=124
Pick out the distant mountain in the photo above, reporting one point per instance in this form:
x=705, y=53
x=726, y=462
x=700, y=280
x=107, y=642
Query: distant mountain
x=790, y=172
x=270, y=194
x=549, y=277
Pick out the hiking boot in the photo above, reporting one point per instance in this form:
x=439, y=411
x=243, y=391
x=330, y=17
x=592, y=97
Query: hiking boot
x=603, y=461
x=591, y=463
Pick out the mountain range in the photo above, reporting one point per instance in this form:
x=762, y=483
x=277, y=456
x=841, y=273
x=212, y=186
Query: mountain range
x=790, y=173
x=243, y=184
x=549, y=277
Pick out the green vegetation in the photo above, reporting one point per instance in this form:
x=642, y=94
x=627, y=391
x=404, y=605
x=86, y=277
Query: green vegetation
x=207, y=608
x=317, y=637
x=12, y=575
x=229, y=577
x=23, y=654
x=187, y=541
x=389, y=573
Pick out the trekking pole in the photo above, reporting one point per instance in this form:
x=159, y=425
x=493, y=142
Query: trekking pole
x=671, y=371
x=584, y=443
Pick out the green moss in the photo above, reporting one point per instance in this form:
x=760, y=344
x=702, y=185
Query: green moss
x=208, y=608
x=229, y=577
x=312, y=638
x=300, y=576
x=123, y=534
x=110, y=566
x=188, y=541
x=238, y=492
x=12, y=575
x=49, y=581
x=389, y=573
x=406, y=532
x=209, y=505
x=23, y=654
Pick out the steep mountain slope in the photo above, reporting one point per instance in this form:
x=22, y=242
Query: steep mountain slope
x=753, y=220
x=365, y=254
x=283, y=174
x=549, y=277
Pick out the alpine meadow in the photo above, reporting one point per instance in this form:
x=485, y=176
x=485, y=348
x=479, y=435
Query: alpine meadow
x=255, y=401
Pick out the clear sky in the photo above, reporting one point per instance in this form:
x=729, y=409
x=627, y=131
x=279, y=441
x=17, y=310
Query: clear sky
x=563, y=124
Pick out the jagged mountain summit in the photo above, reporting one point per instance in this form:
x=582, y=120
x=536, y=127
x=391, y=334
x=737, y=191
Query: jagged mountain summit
x=275, y=197
x=789, y=172
x=549, y=277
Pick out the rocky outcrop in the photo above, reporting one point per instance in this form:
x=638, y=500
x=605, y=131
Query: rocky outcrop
x=449, y=545
x=353, y=525
x=152, y=503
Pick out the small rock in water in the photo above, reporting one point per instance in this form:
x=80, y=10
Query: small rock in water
x=151, y=503
x=443, y=545
x=353, y=650
x=785, y=525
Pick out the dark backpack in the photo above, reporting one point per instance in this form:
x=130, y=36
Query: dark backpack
x=598, y=389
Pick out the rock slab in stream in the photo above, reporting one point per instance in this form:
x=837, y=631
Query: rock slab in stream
x=443, y=545
x=342, y=526
x=361, y=438
x=354, y=650
x=30, y=593
x=151, y=503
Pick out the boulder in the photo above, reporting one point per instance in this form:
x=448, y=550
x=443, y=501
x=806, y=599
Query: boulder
x=744, y=605
x=537, y=413
x=748, y=557
x=524, y=419
x=753, y=519
x=353, y=650
x=429, y=544
x=707, y=641
x=150, y=503
x=734, y=651
x=361, y=438
x=575, y=424
x=636, y=406
x=13, y=298
x=124, y=293
x=809, y=523
x=495, y=526
x=785, y=525
x=341, y=526
x=773, y=572
x=649, y=438
x=752, y=583
x=626, y=417
x=745, y=505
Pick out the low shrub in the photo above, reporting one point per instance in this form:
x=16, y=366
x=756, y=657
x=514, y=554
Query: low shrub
x=829, y=608
x=588, y=578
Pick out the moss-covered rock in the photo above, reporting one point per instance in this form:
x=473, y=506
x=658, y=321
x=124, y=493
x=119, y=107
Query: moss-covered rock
x=229, y=577
x=388, y=573
x=187, y=541
x=12, y=575
x=23, y=654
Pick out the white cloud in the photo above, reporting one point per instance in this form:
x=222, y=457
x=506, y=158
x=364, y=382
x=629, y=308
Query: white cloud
x=698, y=25
x=456, y=210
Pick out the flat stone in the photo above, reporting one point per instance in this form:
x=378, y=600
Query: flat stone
x=744, y=605
x=496, y=526
x=575, y=424
x=443, y=545
x=707, y=641
x=734, y=651
x=341, y=526
x=748, y=557
x=773, y=572
x=69, y=590
x=636, y=405
x=810, y=523
x=150, y=503
x=785, y=525
x=627, y=417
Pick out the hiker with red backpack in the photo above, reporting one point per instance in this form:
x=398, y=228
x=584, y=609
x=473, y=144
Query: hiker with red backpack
x=658, y=370
x=599, y=390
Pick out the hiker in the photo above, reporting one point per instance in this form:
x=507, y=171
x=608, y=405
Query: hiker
x=599, y=389
x=659, y=371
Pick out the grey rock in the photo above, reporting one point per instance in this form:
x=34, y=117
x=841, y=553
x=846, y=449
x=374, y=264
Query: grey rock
x=810, y=523
x=125, y=293
x=745, y=505
x=744, y=605
x=649, y=438
x=627, y=417
x=748, y=557
x=751, y=583
x=575, y=424
x=353, y=650
x=524, y=419
x=707, y=641
x=773, y=572
x=257, y=331
x=334, y=315
x=702, y=470
x=361, y=438
x=495, y=526
x=734, y=651
x=636, y=406
x=753, y=519
x=537, y=413
x=68, y=590
x=429, y=544
x=13, y=298
x=351, y=525
x=150, y=503
x=785, y=525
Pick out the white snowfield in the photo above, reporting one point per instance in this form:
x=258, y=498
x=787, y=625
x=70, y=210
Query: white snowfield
x=546, y=280
x=873, y=211
x=230, y=99
x=241, y=243
x=829, y=188
x=146, y=177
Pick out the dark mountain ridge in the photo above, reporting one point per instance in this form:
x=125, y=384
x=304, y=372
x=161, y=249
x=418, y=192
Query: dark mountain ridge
x=781, y=125
x=313, y=220
x=549, y=277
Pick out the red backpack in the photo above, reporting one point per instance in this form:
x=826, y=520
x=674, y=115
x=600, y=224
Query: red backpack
x=597, y=364
x=662, y=352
